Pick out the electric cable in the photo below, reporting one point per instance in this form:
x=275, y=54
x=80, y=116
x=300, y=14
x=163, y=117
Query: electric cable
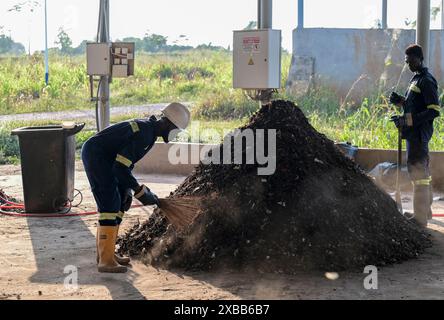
x=97, y=105
x=10, y=205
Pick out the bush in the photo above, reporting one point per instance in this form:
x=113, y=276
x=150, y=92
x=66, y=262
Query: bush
x=9, y=147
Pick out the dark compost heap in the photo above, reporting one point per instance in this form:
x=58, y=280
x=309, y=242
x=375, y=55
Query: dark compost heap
x=317, y=211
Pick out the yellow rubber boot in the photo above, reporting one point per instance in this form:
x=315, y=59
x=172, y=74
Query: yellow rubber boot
x=106, y=244
x=124, y=261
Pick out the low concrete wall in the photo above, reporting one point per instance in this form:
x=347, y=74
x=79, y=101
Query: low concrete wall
x=156, y=161
x=369, y=158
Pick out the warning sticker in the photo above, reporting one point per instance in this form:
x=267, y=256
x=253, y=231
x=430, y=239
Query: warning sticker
x=251, y=62
x=251, y=44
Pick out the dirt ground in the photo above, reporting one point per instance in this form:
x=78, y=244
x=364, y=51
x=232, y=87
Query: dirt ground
x=38, y=256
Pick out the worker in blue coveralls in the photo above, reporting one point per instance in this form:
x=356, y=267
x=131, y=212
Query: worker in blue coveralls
x=421, y=107
x=108, y=158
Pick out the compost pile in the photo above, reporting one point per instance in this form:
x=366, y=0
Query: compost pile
x=318, y=211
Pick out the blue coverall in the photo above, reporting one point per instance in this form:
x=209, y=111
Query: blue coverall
x=109, y=157
x=422, y=102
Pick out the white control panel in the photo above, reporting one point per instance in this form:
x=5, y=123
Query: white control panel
x=98, y=59
x=257, y=59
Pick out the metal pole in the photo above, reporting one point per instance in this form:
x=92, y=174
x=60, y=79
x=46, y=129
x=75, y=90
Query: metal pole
x=301, y=14
x=259, y=14
x=265, y=21
x=423, y=28
x=384, y=15
x=104, y=91
x=442, y=14
x=46, y=47
x=266, y=14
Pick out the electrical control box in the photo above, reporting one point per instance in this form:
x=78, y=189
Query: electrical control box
x=116, y=59
x=123, y=59
x=257, y=59
x=98, y=56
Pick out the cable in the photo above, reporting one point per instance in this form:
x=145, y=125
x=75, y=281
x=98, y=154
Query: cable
x=97, y=105
x=10, y=205
x=49, y=215
x=36, y=215
x=75, y=196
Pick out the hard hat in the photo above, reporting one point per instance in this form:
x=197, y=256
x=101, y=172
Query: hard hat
x=178, y=114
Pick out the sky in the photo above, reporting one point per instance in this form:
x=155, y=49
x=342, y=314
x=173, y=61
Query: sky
x=202, y=21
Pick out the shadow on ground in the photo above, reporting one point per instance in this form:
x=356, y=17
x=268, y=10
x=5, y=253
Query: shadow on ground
x=62, y=246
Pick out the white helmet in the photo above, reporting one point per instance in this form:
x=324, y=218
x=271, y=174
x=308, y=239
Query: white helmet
x=178, y=114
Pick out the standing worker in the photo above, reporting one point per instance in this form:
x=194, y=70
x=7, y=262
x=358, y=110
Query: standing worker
x=421, y=107
x=108, y=158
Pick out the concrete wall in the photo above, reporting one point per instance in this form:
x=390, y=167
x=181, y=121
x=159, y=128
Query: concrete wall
x=363, y=58
x=156, y=161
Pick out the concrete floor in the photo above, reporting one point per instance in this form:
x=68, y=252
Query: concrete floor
x=39, y=258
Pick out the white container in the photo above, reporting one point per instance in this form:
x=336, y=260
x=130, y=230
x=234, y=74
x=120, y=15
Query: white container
x=257, y=59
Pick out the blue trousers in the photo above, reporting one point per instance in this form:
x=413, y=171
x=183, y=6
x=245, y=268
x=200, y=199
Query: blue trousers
x=104, y=185
x=418, y=161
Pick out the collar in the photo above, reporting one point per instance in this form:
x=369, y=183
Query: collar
x=423, y=70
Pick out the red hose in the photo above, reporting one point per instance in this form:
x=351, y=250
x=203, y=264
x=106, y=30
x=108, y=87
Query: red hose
x=9, y=202
x=44, y=215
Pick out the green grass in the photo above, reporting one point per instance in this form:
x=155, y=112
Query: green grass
x=367, y=125
x=187, y=76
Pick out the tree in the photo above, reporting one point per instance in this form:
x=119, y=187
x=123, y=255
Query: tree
x=28, y=6
x=137, y=42
x=154, y=42
x=64, y=41
x=7, y=45
x=80, y=49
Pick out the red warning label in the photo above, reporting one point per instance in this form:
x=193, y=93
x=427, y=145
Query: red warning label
x=251, y=44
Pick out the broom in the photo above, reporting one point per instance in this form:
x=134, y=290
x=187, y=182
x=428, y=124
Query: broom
x=180, y=212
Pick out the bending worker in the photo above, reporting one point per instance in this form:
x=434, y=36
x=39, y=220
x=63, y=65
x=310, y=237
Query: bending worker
x=421, y=107
x=108, y=158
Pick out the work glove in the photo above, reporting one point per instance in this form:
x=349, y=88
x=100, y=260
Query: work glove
x=395, y=98
x=146, y=197
x=127, y=200
x=402, y=121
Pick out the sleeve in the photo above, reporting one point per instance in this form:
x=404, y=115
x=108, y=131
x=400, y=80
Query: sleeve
x=123, y=167
x=429, y=90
